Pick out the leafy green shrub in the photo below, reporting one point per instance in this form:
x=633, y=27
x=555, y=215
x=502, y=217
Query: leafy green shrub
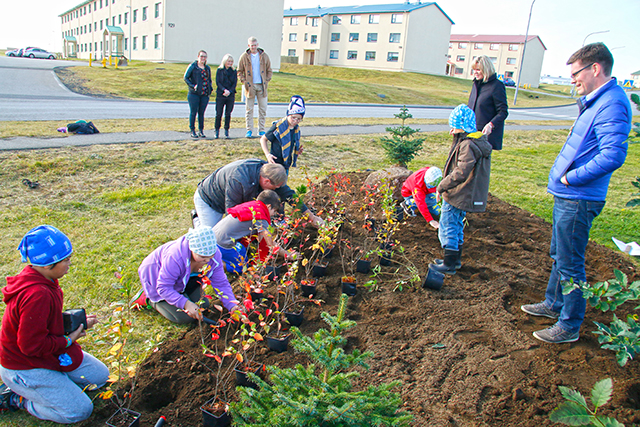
x=320, y=394
x=636, y=100
x=635, y=202
x=575, y=412
x=402, y=147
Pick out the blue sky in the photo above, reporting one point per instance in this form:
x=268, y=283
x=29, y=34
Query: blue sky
x=561, y=24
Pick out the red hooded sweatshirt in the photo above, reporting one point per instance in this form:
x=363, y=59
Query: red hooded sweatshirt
x=32, y=334
x=415, y=186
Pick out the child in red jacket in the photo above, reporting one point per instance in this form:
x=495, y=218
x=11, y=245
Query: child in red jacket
x=419, y=190
x=44, y=371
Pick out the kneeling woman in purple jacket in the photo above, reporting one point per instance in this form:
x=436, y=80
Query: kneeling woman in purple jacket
x=171, y=281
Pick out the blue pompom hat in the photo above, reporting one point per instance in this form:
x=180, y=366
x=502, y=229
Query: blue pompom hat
x=44, y=245
x=296, y=106
x=202, y=241
x=463, y=117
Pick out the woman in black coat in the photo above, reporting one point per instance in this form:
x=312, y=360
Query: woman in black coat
x=198, y=78
x=226, y=80
x=488, y=99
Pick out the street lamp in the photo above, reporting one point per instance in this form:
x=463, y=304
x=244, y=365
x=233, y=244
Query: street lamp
x=590, y=34
x=524, y=47
x=130, y=21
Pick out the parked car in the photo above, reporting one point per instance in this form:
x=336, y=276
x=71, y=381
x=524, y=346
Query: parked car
x=508, y=81
x=14, y=52
x=35, y=52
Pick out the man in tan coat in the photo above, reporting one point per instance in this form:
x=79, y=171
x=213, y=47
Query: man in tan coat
x=254, y=71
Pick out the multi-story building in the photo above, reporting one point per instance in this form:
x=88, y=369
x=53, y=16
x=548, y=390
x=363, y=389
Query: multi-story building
x=171, y=30
x=505, y=51
x=397, y=37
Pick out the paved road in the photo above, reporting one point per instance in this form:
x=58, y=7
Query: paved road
x=29, y=90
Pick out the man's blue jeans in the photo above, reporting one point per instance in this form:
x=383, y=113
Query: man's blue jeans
x=572, y=221
x=451, y=227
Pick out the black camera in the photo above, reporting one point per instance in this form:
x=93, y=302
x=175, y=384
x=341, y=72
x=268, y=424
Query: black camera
x=72, y=319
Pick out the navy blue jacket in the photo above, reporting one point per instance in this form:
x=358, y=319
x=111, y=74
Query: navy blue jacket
x=193, y=77
x=226, y=78
x=489, y=102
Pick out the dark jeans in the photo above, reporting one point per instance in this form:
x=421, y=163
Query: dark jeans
x=192, y=291
x=572, y=221
x=221, y=103
x=197, y=105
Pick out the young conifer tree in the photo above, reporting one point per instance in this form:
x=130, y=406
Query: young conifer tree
x=320, y=394
x=402, y=147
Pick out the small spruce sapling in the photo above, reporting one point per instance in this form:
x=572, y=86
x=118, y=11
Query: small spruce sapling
x=402, y=147
x=576, y=412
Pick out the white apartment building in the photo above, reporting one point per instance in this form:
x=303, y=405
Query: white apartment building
x=171, y=30
x=505, y=52
x=396, y=37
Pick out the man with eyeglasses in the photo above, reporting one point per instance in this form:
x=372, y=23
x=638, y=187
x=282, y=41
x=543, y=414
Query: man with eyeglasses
x=578, y=180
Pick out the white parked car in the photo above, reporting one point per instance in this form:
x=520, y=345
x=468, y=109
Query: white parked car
x=36, y=52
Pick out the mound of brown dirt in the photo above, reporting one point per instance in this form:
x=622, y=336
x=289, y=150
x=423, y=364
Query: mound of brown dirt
x=465, y=354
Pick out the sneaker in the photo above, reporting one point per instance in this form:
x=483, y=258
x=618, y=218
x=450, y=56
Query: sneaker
x=193, y=135
x=201, y=135
x=6, y=398
x=556, y=334
x=139, y=300
x=539, y=309
x=216, y=134
x=248, y=134
x=226, y=133
x=261, y=133
x=408, y=210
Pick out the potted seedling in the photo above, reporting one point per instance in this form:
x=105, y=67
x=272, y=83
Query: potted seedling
x=124, y=418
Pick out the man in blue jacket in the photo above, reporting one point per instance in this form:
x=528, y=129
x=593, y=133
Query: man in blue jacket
x=578, y=180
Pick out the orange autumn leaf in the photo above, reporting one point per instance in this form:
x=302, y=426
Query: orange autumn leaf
x=239, y=357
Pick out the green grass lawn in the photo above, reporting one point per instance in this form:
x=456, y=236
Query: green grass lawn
x=119, y=202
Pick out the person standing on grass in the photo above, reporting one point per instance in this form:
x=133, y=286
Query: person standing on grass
x=579, y=180
x=171, y=277
x=226, y=82
x=284, y=136
x=198, y=78
x=488, y=100
x=465, y=186
x=44, y=371
x=254, y=71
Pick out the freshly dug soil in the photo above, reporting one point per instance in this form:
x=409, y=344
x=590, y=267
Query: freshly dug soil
x=465, y=354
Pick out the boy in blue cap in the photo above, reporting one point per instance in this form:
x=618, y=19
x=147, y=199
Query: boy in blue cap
x=284, y=136
x=465, y=186
x=44, y=371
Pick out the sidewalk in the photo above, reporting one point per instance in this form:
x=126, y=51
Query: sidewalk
x=29, y=143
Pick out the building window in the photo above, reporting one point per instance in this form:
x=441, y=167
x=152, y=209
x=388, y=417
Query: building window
x=144, y=13
x=513, y=47
x=333, y=54
x=101, y=24
x=120, y=19
x=394, y=38
x=374, y=19
x=462, y=45
x=450, y=45
x=126, y=18
x=135, y=43
x=106, y=22
x=156, y=13
x=493, y=59
x=314, y=39
x=336, y=20
x=89, y=27
x=460, y=58
x=392, y=57
x=508, y=74
x=314, y=22
x=135, y=16
x=95, y=45
x=458, y=70
x=156, y=41
x=354, y=37
x=352, y=54
x=95, y=26
x=355, y=19
x=511, y=61
x=478, y=46
x=293, y=37
x=396, y=18
x=144, y=42
x=291, y=52
x=293, y=21
x=126, y=44
x=494, y=46
x=335, y=37
x=372, y=37
x=369, y=56
x=100, y=4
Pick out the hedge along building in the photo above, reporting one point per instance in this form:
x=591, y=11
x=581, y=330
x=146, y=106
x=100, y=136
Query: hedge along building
x=395, y=37
x=171, y=30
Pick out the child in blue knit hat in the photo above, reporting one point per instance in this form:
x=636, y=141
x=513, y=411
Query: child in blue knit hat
x=44, y=370
x=284, y=136
x=465, y=186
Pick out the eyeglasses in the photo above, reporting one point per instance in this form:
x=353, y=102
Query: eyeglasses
x=574, y=75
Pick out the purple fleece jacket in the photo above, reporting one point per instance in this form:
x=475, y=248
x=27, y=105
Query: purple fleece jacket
x=164, y=274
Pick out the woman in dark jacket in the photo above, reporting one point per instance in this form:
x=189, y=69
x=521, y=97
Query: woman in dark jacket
x=226, y=81
x=488, y=100
x=198, y=78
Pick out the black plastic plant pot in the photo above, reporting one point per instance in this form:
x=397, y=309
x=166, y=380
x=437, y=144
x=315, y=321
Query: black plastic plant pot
x=328, y=253
x=370, y=223
x=279, y=345
x=363, y=266
x=295, y=319
x=124, y=418
x=257, y=297
x=349, y=286
x=433, y=280
x=242, y=379
x=72, y=319
x=308, y=290
x=399, y=213
x=273, y=272
x=385, y=259
x=212, y=416
x=320, y=269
